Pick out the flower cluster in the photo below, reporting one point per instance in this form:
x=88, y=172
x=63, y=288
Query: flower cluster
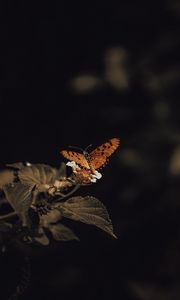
x=84, y=175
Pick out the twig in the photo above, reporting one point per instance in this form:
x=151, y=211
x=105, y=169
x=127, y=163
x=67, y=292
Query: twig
x=70, y=193
x=8, y=216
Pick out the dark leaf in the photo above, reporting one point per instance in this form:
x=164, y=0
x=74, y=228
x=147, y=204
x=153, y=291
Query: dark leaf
x=59, y=231
x=62, y=170
x=20, y=197
x=51, y=217
x=4, y=226
x=88, y=210
x=62, y=233
x=6, y=177
x=42, y=237
x=18, y=165
x=38, y=175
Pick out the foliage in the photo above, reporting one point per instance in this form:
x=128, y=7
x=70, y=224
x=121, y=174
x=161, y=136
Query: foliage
x=40, y=196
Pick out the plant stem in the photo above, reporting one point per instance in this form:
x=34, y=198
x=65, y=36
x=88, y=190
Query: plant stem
x=70, y=193
x=8, y=216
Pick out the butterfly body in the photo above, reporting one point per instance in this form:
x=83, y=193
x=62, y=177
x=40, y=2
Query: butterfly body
x=87, y=155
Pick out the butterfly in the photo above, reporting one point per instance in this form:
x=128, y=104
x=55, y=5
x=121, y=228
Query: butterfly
x=95, y=159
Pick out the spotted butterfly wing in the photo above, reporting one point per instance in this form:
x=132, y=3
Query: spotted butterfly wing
x=99, y=156
x=77, y=157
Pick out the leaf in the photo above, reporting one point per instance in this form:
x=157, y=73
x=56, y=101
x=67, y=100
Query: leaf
x=62, y=170
x=62, y=233
x=4, y=226
x=59, y=231
x=20, y=198
x=6, y=177
x=18, y=165
x=38, y=175
x=88, y=210
x=51, y=217
x=42, y=237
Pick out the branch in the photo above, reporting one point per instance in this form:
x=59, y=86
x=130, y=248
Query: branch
x=8, y=216
x=70, y=193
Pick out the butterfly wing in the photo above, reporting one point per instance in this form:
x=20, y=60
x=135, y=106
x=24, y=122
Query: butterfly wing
x=78, y=158
x=100, y=155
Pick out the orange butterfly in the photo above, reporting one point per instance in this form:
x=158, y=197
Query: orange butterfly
x=94, y=160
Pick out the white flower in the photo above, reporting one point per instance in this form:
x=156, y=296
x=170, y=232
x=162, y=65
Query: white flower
x=95, y=176
x=93, y=180
x=73, y=165
x=92, y=177
x=98, y=175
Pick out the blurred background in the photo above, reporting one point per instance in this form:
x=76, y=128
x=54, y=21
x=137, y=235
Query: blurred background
x=79, y=74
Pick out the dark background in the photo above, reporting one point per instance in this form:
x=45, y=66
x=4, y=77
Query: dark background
x=76, y=74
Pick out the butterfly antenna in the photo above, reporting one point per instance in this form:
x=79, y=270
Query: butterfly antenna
x=88, y=147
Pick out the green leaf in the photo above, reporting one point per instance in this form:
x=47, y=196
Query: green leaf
x=20, y=198
x=88, y=210
x=62, y=233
